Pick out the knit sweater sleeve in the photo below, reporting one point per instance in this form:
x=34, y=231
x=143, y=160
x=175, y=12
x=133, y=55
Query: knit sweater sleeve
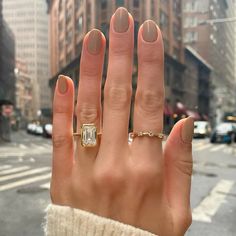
x=67, y=221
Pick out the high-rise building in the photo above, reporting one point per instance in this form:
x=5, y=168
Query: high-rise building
x=71, y=19
x=24, y=92
x=7, y=76
x=29, y=21
x=215, y=43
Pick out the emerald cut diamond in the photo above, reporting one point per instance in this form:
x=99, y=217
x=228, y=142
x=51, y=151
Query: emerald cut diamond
x=88, y=135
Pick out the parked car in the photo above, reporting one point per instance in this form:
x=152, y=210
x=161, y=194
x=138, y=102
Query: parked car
x=31, y=128
x=224, y=133
x=47, y=130
x=34, y=128
x=38, y=130
x=202, y=129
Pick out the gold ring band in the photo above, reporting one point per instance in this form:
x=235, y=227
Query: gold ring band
x=79, y=134
x=149, y=134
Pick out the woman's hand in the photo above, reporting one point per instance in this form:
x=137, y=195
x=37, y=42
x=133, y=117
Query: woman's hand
x=139, y=183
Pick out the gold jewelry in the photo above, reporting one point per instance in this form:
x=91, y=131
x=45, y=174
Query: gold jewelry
x=88, y=134
x=150, y=134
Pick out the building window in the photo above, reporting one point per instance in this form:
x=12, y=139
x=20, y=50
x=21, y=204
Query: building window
x=190, y=37
x=119, y=3
x=69, y=57
x=103, y=4
x=80, y=24
x=191, y=6
x=190, y=22
x=78, y=4
x=167, y=76
x=68, y=15
x=176, y=53
x=88, y=15
x=164, y=21
x=136, y=3
x=136, y=29
x=176, y=7
x=166, y=45
x=153, y=8
x=69, y=36
x=165, y=2
x=104, y=28
x=176, y=32
x=60, y=5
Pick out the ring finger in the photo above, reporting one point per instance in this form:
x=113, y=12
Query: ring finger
x=89, y=92
x=149, y=100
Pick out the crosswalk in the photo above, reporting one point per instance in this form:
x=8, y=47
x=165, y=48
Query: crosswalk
x=210, y=147
x=14, y=177
x=16, y=164
x=20, y=150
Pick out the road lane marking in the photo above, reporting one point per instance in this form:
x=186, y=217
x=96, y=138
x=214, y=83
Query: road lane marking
x=47, y=185
x=12, y=154
x=209, y=205
x=205, y=146
x=5, y=167
x=47, y=146
x=24, y=182
x=22, y=146
x=217, y=148
x=17, y=169
x=25, y=173
x=198, y=144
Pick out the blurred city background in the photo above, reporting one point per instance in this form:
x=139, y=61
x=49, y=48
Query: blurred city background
x=41, y=39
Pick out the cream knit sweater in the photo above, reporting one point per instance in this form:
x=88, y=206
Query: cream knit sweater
x=67, y=221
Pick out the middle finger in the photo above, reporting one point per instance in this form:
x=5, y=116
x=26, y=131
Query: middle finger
x=118, y=88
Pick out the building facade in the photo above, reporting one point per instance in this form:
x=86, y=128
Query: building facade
x=215, y=43
x=7, y=76
x=71, y=19
x=29, y=21
x=24, y=93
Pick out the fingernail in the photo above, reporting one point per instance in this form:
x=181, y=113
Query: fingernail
x=149, y=31
x=94, y=42
x=62, y=84
x=121, y=20
x=187, y=130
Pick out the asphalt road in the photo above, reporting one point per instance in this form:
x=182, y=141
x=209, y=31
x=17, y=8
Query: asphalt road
x=25, y=175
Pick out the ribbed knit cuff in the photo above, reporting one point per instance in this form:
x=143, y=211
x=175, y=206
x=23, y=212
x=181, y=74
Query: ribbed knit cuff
x=67, y=221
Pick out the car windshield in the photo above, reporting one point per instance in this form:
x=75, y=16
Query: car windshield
x=224, y=127
x=200, y=125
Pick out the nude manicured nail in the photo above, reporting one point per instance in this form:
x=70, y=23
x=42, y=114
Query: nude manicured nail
x=187, y=130
x=121, y=20
x=94, y=41
x=149, y=31
x=62, y=84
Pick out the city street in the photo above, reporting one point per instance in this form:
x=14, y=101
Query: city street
x=25, y=175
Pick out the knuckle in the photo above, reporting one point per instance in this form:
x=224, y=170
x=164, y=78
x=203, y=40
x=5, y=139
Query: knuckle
x=90, y=70
x=109, y=179
x=88, y=114
x=146, y=176
x=118, y=98
x=61, y=109
x=150, y=102
x=61, y=140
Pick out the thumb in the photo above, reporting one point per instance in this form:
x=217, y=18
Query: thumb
x=178, y=164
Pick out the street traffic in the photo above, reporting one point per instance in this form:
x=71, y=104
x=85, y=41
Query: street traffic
x=25, y=179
